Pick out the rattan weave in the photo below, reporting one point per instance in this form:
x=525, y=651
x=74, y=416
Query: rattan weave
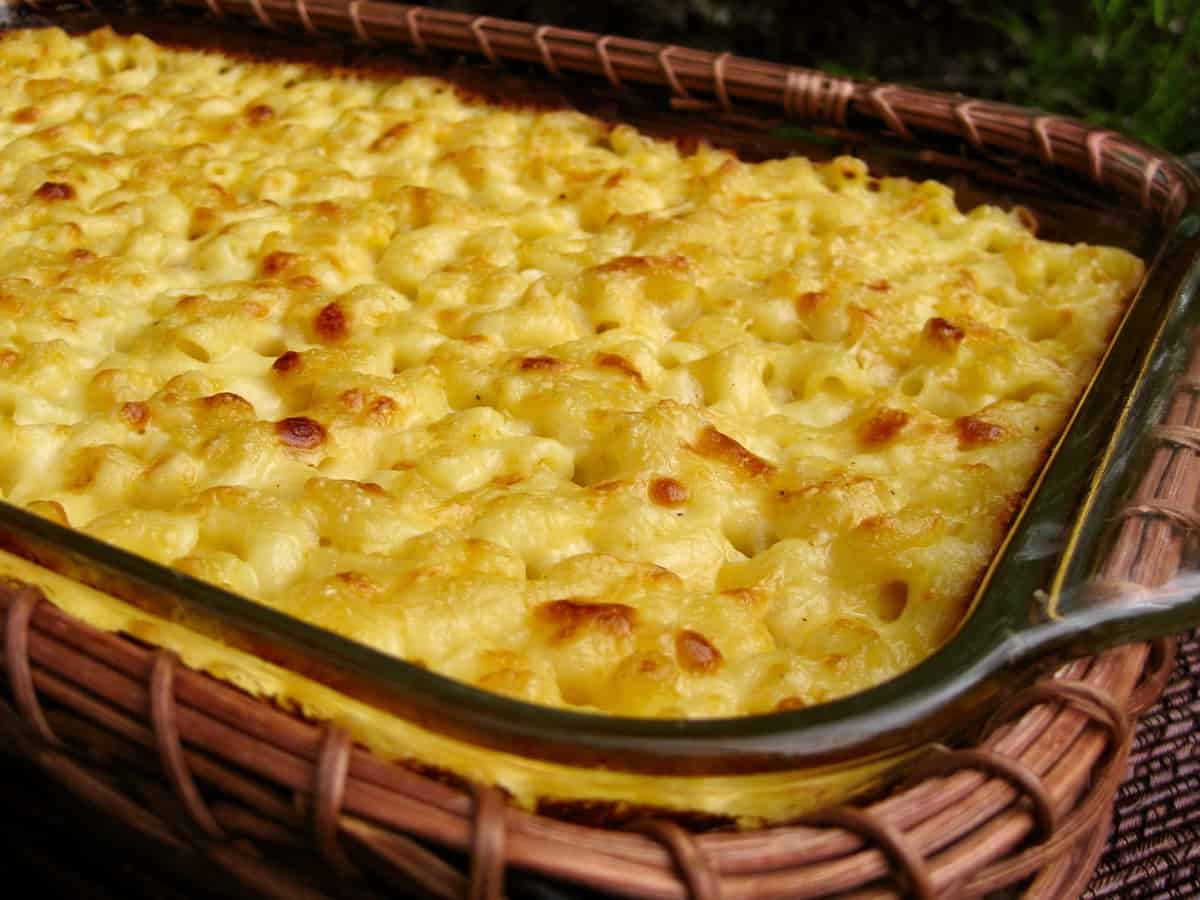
x=202, y=769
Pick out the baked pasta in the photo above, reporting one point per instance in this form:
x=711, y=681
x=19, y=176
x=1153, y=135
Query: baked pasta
x=535, y=401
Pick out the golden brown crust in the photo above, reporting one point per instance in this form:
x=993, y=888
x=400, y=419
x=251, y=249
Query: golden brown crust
x=50, y=509
x=942, y=333
x=620, y=364
x=228, y=403
x=808, y=301
x=135, y=414
x=300, y=433
x=882, y=427
x=539, y=364
x=259, y=113
x=331, y=323
x=54, y=191
x=567, y=618
x=390, y=137
x=288, y=361
x=696, y=653
x=975, y=431
x=645, y=265
x=717, y=445
x=279, y=262
x=359, y=583
x=668, y=492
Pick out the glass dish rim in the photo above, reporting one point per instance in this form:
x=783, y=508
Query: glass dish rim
x=751, y=743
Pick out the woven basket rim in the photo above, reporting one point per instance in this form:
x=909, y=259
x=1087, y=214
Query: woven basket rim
x=1050, y=766
x=971, y=820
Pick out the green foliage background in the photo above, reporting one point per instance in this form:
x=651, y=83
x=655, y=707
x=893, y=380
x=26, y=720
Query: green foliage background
x=1131, y=64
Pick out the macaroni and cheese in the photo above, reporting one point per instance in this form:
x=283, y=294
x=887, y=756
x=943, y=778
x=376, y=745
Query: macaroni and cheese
x=537, y=402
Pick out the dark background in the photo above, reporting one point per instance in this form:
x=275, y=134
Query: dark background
x=1133, y=65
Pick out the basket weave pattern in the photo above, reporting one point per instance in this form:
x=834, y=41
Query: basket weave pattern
x=197, y=766
x=1041, y=780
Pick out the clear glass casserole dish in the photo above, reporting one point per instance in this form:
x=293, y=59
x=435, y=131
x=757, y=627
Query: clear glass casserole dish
x=1040, y=602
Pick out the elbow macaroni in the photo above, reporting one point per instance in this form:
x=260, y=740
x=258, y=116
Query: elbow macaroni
x=542, y=404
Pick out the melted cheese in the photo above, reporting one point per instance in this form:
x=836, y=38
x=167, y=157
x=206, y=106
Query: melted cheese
x=545, y=405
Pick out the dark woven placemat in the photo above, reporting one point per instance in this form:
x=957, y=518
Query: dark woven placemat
x=61, y=848
x=1154, y=847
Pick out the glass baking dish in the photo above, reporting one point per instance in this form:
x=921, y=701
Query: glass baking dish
x=1046, y=597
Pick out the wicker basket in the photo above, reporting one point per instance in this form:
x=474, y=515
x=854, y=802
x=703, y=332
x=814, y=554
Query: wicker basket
x=211, y=777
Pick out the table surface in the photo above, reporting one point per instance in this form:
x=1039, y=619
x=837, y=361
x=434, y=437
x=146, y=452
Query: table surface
x=1154, y=848
x=65, y=850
